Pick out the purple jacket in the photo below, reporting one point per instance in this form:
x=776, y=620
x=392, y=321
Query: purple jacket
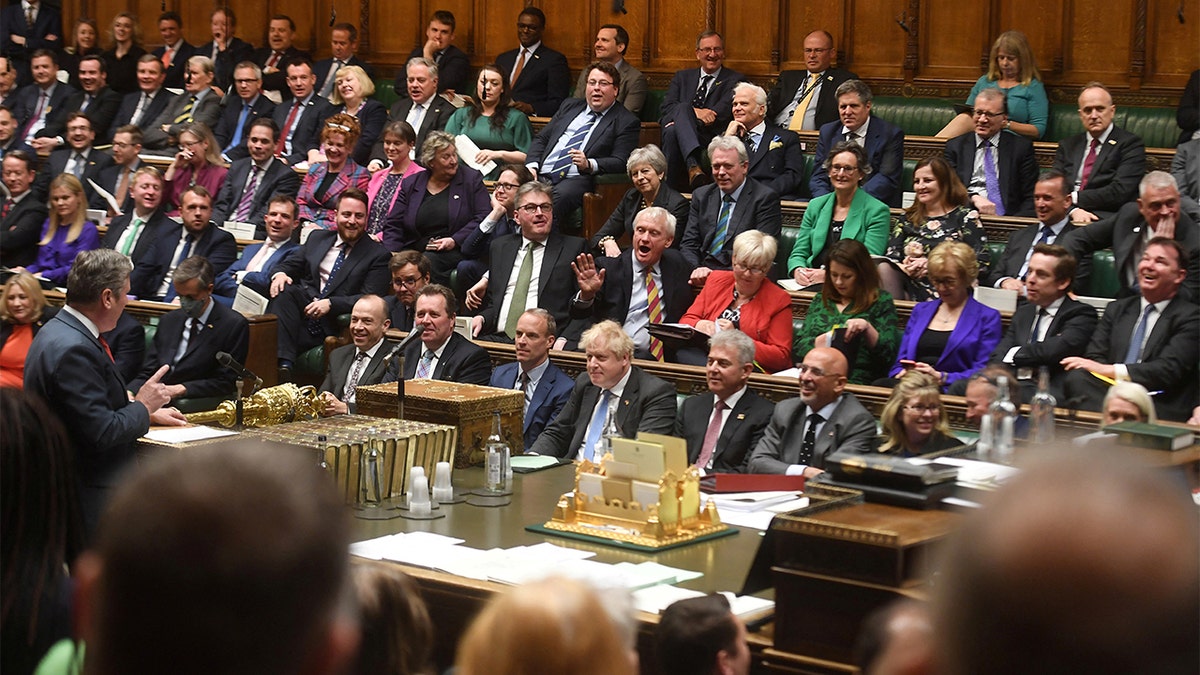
x=469, y=204
x=971, y=342
x=54, y=259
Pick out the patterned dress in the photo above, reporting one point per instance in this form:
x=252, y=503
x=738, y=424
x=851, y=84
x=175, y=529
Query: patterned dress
x=961, y=224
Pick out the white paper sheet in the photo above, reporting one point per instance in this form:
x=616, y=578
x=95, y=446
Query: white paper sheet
x=186, y=434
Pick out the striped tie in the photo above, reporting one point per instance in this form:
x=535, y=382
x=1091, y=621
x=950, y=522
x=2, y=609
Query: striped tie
x=185, y=115
x=718, y=242
x=562, y=164
x=654, y=304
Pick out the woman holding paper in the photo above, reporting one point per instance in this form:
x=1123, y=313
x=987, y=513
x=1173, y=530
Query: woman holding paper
x=914, y=420
x=398, y=141
x=502, y=134
x=351, y=91
x=439, y=208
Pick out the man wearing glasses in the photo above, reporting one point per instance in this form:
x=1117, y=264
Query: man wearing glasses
x=410, y=273
x=999, y=169
x=806, y=99
x=588, y=136
x=472, y=269
x=823, y=419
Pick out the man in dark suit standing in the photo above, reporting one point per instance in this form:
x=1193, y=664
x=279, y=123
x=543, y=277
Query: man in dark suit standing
x=142, y=107
x=775, y=156
x=647, y=283
x=225, y=49
x=70, y=368
x=258, y=261
x=612, y=388
x=697, y=107
x=135, y=232
x=252, y=181
x=26, y=27
x=451, y=62
x=343, y=44
x=441, y=353
x=175, y=51
x=883, y=142
x=1051, y=204
x=324, y=279
x=410, y=273
x=278, y=53
x=823, y=419
x=362, y=361
x=95, y=99
x=807, y=99
x=723, y=426
x=720, y=212
x=1048, y=328
x=1156, y=213
x=79, y=158
x=515, y=260
x=37, y=101
x=188, y=339
x=299, y=120
x=22, y=214
x=538, y=76
x=250, y=105
x=1105, y=162
x=999, y=169
x=152, y=274
x=423, y=109
x=1152, y=339
x=585, y=138
x=545, y=386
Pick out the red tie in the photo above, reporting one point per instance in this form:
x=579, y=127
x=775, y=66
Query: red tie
x=107, y=350
x=710, y=436
x=1088, y=163
x=280, y=147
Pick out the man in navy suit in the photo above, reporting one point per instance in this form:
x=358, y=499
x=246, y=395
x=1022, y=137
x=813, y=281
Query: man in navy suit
x=1104, y=163
x=812, y=92
x=410, y=273
x=324, y=279
x=78, y=158
x=300, y=119
x=423, y=109
x=343, y=44
x=513, y=259
x=441, y=353
x=359, y=363
x=244, y=197
x=1051, y=203
x=749, y=205
x=883, y=142
x=8, y=134
x=279, y=53
x=189, y=338
x=250, y=105
x=720, y=439
x=95, y=98
x=498, y=223
x=141, y=108
x=1152, y=339
x=23, y=212
x=258, y=261
x=698, y=106
x=71, y=369
x=117, y=179
x=20, y=37
x=542, y=82
x=775, y=156
x=36, y=102
x=225, y=49
x=451, y=62
x=152, y=274
x=8, y=82
x=619, y=288
x=585, y=138
x=1013, y=165
x=612, y=388
x=545, y=385
x=136, y=231
x=175, y=50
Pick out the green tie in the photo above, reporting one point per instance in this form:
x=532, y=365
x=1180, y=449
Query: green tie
x=134, y=228
x=185, y=115
x=517, y=307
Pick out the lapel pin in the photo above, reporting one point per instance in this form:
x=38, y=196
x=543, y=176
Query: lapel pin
x=456, y=196
x=1111, y=142
x=741, y=416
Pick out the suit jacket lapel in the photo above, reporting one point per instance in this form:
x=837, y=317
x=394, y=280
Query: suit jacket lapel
x=968, y=320
x=554, y=247
x=628, y=398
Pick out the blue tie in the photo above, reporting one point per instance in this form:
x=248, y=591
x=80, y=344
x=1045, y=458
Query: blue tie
x=237, y=132
x=596, y=428
x=718, y=242
x=562, y=163
x=337, y=266
x=1134, y=354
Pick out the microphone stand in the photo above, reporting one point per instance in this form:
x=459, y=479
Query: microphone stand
x=238, y=421
x=400, y=386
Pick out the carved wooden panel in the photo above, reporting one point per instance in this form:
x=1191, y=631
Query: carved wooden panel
x=1097, y=41
x=751, y=32
x=802, y=18
x=954, y=39
x=1171, y=45
x=679, y=22
x=1043, y=25
x=874, y=39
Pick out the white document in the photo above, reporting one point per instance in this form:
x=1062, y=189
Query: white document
x=752, y=501
x=249, y=301
x=239, y=230
x=467, y=150
x=108, y=196
x=533, y=461
x=789, y=285
x=999, y=299
x=186, y=434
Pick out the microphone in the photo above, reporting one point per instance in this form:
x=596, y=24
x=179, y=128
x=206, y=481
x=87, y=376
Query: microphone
x=243, y=372
x=413, y=336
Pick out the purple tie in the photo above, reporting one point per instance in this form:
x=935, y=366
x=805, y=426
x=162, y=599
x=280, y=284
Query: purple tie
x=991, y=179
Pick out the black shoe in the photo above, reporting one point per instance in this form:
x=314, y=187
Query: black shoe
x=284, y=374
x=697, y=177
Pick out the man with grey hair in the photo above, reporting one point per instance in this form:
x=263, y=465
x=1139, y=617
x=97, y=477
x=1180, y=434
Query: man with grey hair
x=723, y=426
x=423, y=109
x=721, y=211
x=71, y=367
x=647, y=283
x=884, y=143
x=998, y=169
x=775, y=156
x=1156, y=213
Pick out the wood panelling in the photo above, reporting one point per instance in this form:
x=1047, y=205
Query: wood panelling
x=1137, y=47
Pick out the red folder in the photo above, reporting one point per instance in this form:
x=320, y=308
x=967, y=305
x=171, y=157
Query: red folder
x=750, y=482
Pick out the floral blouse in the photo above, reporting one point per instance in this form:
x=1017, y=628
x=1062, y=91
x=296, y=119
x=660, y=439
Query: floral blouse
x=961, y=224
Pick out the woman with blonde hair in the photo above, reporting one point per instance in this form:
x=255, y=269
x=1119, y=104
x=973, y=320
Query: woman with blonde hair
x=327, y=179
x=914, y=420
x=351, y=91
x=67, y=231
x=552, y=627
x=23, y=311
x=1013, y=70
x=122, y=58
x=198, y=162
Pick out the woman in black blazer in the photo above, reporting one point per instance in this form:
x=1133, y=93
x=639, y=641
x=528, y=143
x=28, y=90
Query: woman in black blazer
x=647, y=167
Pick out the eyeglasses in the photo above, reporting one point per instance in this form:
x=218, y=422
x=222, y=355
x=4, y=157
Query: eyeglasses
x=922, y=409
x=984, y=114
x=507, y=186
x=599, y=83
x=841, y=168
x=534, y=208
x=710, y=50
x=409, y=282
x=944, y=282
x=739, y=267
x=804, y=368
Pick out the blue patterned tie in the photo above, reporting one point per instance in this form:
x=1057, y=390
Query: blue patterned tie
x=596, y=428
x=424, y=365
x=1134, y=354
x=337, y=266
x=718, y=242
x=991, y=179
x=562, y=163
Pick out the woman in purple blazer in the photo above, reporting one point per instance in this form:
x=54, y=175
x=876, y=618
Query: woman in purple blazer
x=439, y=208
x=66, y=232
x=951, y=337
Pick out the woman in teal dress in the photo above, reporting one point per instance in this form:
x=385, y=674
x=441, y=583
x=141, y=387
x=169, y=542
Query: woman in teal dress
x=502, y=134
x=1013, y=71
x=851, y=300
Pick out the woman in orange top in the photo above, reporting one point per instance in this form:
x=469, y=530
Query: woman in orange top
x=23, y=311
x=745, y=299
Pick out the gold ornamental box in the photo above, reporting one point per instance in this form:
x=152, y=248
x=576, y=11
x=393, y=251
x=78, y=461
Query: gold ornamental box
x=467, y=407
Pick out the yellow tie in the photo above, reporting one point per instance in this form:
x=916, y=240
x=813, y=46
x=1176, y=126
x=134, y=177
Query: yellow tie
x=797, y=122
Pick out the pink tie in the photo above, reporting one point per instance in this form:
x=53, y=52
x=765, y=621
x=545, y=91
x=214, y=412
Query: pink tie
x=1088, y=163
x=710, y=436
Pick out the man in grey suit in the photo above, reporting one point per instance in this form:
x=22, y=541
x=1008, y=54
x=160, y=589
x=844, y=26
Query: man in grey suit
x=611, y=387
x=810, y=92
x=423, y=109
x=358, y=363
x=1185, y=167
x=723, y=426
x=197, y=103
x=805, y=430
x=612, y=42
